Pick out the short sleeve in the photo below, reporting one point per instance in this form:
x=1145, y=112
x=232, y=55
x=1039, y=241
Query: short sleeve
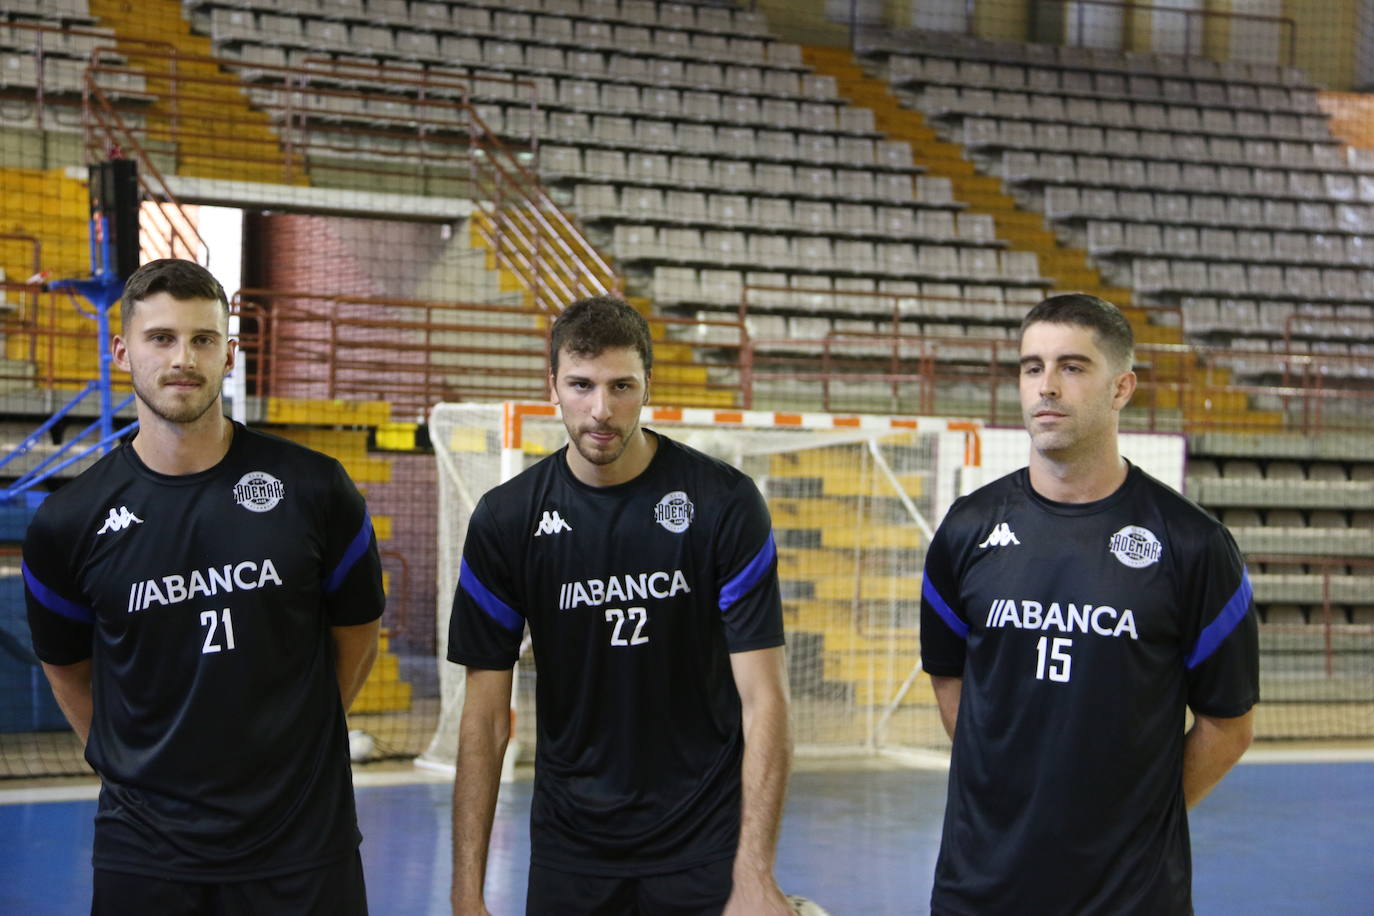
x=486, y=625
x=352, y=568
x=944, y=628
x=748, y=595
x=1222, y=660
x=61, y=621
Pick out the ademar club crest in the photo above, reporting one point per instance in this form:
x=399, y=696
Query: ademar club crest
x=674, y=512
x=259, y=491
x=1136, y=547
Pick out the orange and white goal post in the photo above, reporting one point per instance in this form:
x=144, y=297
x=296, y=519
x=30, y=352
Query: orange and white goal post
x=854, y=500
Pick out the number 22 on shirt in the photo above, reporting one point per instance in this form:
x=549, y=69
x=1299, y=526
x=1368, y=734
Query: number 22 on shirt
x=623, y=620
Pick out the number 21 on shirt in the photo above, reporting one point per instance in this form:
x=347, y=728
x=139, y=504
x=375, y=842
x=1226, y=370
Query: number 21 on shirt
x=219, y=631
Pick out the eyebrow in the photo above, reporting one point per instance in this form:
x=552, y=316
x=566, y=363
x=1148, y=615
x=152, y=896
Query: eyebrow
x=198, y=331
x=586, y=378
x=1064, y=358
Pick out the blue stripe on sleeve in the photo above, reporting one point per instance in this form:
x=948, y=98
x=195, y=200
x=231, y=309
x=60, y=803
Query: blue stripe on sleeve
x=491, y=605
x=1230, y=617
x=53, y=601
x=750, y=575
x=351, y=556
x=946, y=613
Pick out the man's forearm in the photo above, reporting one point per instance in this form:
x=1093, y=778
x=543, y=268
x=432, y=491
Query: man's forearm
x=483, y=735
x=71, y=687
x=1211, y=747
x=948, y=690
x=767, y=763
x=761, y=677
x=355, y=651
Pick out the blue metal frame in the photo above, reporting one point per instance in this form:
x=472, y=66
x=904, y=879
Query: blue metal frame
x=102, y=290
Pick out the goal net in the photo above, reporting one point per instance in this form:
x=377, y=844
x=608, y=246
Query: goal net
x=854, y=501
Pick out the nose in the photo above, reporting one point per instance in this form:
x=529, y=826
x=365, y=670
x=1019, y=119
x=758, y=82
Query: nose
x=1049, y=384
x=601, y=404
x=184, y=355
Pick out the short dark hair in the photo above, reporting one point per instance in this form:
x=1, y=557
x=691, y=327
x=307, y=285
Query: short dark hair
x=591, y=326
x=178, y=277
x=1114, y=334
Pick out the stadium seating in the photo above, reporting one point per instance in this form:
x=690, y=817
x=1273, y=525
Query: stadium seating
x=1219, y=189
x=636, y=103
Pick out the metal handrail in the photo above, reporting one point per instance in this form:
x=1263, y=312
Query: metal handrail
x=1164, y=369
x=296, y=339
x=1329, y=566
x=522, y=211
x=102, y=121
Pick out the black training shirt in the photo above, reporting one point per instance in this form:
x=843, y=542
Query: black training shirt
x=635, y=596
x=204, y=603
x=1081, y=632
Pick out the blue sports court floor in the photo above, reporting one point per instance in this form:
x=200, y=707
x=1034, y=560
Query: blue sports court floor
x=1274, y=838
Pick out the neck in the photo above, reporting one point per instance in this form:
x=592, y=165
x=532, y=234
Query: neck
x=182, y=448
x=631, y=463
x=1077, y=478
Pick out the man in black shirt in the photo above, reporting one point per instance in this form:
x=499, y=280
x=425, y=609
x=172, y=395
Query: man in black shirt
x=205, y=602
x=647, y=574
x=1070, y=612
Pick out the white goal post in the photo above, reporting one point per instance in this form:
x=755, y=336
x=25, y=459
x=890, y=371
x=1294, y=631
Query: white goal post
x=854, y=501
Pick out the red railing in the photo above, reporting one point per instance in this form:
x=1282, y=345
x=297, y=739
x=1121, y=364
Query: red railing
x=1328, y=568
x=42, y=353
x=415, y=353
x=1182, y=387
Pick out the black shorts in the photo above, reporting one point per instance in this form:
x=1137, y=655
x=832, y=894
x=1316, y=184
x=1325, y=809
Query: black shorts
x=335, y=889
x=700, y=891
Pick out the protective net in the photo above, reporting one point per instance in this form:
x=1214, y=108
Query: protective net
x=841, y=207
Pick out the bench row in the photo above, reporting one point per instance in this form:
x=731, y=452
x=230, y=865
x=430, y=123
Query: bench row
x=994, y=134
x=1158, y=175
x=771, y=251
x=1070, y=203
x=647, y=204
x=1106, y=238
x=908, y=71
x=563, y=163
x=233, y=26
x=1266, y=281
x=516, y=17
x=947, y=102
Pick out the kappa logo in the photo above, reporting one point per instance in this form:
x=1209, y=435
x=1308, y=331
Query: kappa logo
x=552, y=523
x=1001, y=536
x=1136, y=547
x=118, y=520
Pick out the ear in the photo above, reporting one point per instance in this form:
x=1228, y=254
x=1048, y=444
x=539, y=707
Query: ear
x=231, y=358
x=1123, y=390
x=120, y=353
x=553, y=390
x=647, y=380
